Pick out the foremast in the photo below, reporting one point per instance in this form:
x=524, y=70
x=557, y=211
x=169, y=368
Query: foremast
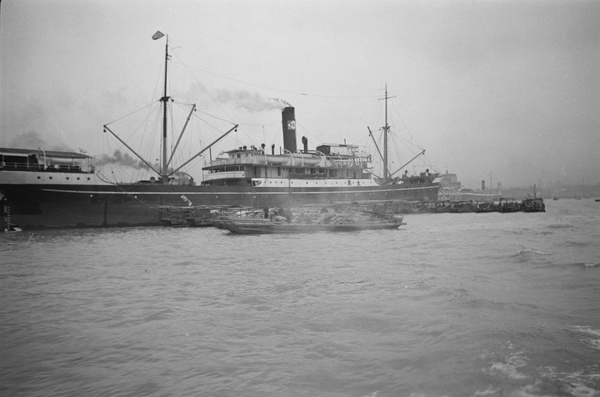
x=164, y=171
x=165, y=174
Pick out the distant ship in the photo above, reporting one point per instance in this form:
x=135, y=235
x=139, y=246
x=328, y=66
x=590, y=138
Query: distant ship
x=60, y=189
x=451, y=190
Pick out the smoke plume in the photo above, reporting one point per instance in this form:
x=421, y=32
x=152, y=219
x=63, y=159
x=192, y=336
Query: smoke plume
x=250, y=101
x=119, y=158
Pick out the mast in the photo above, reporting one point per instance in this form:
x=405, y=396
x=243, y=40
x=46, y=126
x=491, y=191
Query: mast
x=386, y=128
x=181, y=134
x=164, y=100
x=375, y=142
x=385, y=136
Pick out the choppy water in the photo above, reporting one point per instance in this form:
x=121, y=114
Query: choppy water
x=452, y=305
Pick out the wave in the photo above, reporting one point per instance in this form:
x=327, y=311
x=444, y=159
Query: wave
x=510, y=366
x=528, y=254
x=560, y=226
x=581, y=265
x=591, y=264
x=528, y=380
x=528, y=251
x=578, y=244
x=578, y=383
x=589, y=336
x=585, y=265
x=572, y=388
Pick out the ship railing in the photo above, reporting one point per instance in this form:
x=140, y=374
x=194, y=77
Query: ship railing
x=19, y=166
x=246, y=160
x=289, y=162
x=348, y=164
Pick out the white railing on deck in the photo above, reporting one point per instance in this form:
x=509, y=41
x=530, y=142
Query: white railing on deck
x=287, y=161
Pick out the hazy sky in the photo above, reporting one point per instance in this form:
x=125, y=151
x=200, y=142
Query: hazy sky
x=507, y=89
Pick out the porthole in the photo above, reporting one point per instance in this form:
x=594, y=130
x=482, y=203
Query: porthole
x=39, y=177
x=67, y=178
x=50, y=178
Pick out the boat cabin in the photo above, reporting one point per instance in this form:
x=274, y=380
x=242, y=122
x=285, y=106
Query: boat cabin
x=44, y=160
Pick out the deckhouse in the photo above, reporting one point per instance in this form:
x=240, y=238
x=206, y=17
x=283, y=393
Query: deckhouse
x=329, y=164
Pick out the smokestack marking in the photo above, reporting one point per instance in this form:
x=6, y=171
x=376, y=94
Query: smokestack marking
x=288, y=121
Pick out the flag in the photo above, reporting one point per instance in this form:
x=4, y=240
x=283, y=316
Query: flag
x=157, y=35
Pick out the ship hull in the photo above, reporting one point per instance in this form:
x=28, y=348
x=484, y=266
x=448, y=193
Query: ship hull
x=33, y=206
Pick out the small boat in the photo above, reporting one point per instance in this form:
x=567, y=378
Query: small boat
x=533, y=205
x=309, y=221
x=240, y=226
x=509, y=205
x=11, y=227
x=190, y=216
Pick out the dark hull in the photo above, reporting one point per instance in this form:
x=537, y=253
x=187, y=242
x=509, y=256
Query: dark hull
x=34, y=206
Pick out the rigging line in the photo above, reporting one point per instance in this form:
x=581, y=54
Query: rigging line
x=213, y=116
x=141, y=126
x=407, y=129
x=159, y=78
x=262, y=124
x=401, y=119
x=308, y=132
x=127, y=115
x=270, y=135
x=148, y=141
x=281, y=90
x=398, y=136
x=207, y=123
x=363, y=139
x=217, y=129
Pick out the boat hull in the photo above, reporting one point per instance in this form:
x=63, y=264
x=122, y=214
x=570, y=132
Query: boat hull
x=269, y=227
x=38, y=206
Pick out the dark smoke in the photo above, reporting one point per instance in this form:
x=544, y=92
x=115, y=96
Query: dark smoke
x=119, y=158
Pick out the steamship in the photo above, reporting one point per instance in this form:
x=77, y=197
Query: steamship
x=59, y=189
